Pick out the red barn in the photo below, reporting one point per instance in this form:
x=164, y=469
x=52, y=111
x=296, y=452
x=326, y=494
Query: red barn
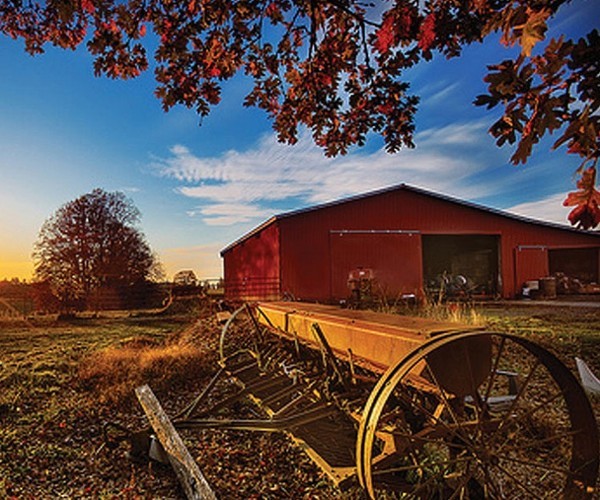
x=407, y=238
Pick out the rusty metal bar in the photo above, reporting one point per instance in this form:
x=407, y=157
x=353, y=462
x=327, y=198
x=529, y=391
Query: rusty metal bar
x=257, y=385
x=330, y=357
x=320, y=411
x=254, y=321
x=284, y=410
x=188, y=410
x=377, y=340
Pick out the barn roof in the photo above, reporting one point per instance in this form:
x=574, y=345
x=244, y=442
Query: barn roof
x=402, y=187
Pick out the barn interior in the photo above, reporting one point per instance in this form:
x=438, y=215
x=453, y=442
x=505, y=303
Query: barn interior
x=461, y=265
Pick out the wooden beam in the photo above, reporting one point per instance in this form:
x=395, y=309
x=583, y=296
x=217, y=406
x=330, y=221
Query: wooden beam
x=193, y=482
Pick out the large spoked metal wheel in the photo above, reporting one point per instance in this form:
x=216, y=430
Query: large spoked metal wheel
x=478, y=415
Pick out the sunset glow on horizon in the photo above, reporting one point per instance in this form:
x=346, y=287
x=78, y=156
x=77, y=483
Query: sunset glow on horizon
x=11, y=269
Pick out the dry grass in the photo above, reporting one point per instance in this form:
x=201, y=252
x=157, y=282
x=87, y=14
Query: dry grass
x=456, y=312
x=115, y=372
x=51, y=422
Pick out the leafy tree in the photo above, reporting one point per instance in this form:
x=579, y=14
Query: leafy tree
x=90, y=243
x=337, y=66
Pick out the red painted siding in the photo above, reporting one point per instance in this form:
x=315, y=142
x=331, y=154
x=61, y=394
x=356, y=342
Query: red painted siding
x=394, y=257
x=531, y=263
x=252, y=267
x=298, y=248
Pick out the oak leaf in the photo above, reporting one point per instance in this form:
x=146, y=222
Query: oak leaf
x=534, y=30
x=385, y=35
x=427, y=33
x=586, y=201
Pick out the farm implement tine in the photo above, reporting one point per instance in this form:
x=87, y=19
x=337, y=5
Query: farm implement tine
x=328, y=356
x=317, y=412
x=189, y=410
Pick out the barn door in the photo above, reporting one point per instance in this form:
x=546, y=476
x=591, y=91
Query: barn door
x=531, y=263
x=393, y=256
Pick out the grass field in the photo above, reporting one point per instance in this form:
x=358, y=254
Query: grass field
x=61, y=380
x=50, y=421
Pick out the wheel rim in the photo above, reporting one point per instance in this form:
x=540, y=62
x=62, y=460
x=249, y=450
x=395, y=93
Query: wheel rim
x=238, y=334
x=448, y=422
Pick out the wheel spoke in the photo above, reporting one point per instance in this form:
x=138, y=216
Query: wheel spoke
x=513, y=405
x=543, y=405
x=429, y=481
x=489, y=482
x=461, y=488
x=435, y=419
x=407, y=468
x=545, y=441
x=533, y=443
x=422, y=439
x=447, y=404
x=475, y=395
x=494, y=370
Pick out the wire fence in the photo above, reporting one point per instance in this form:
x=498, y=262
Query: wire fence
x=28, y=299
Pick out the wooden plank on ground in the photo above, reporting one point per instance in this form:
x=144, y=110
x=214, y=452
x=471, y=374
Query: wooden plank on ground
x=193, y=482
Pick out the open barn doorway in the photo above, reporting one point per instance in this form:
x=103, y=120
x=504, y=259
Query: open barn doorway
x=576, y=269
x=461, y=266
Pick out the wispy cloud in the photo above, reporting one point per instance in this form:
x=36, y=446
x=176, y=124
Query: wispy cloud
x=549, y=209
x=239, y=186
x=431, y=95
x=224, y=214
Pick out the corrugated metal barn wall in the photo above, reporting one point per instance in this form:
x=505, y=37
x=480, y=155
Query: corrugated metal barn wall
x=308, y=254
x=526, y=248
x=319, y=247
x=252, y=267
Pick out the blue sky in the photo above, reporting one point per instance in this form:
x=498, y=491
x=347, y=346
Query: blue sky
x=64, y=132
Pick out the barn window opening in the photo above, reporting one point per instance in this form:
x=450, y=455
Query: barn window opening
x=461, y=266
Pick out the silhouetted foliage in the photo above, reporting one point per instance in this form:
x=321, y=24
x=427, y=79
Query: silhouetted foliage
x=336, y=66
x=43, y=299
x=13, y=288
x=92, y=244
